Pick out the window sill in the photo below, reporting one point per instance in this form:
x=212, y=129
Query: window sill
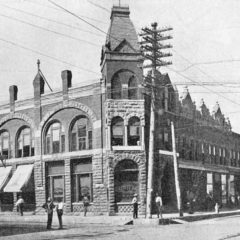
x=130, y=148
x=80, y=203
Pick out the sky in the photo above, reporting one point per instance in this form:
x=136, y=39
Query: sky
x=206, y=49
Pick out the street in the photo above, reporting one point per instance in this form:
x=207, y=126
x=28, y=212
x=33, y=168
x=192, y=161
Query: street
x=218, y=228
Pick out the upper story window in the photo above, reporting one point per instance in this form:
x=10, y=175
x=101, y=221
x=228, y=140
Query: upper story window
x=116, y=87
x=25, y=143
x=117, y=131
x=134, y=131
x=81, y=134
x=4, y=144
x=132, y=88
x=55, y=139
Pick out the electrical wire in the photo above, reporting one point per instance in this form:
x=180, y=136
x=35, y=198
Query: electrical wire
x=55, y=32
x=45, y=55
x=50, y=20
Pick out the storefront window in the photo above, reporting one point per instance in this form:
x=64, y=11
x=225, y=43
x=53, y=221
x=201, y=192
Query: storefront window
x=82, y=180
x=209, y=183
x=126, y=181
x=56, y=181
x=224, y=188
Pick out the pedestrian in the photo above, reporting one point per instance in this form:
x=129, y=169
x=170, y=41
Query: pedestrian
x=85, y=204
x=135, y=206
x=191, y=200
x=59, y=209
x=49, y=206
x=159, y=205
x=19, y=204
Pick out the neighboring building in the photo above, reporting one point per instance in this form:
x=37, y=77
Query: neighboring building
x=93, y=140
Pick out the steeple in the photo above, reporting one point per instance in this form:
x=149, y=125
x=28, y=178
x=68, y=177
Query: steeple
x=121, y=30
x=121, y=59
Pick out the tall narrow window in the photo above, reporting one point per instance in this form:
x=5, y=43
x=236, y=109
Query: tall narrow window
x=25, y=144
x=117, y=130
x=55, y=181
x=116, y=87
x=4, y=144
x=134, y=131
x=132, y=88
x=82, y=180
x=55, y=139
x=81, y=134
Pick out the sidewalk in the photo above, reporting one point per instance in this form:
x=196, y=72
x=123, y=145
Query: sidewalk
x=75, y=220
x=174, y=218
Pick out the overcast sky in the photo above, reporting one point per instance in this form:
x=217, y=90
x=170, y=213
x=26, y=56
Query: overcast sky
x=206, y=44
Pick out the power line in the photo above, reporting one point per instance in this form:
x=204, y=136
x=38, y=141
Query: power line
x=45, y=55
x=99, y=6
x=210, y=62
x=57, y=9
x=75, y=15
x=45, y=29
x=179, y=73
x=50, y=20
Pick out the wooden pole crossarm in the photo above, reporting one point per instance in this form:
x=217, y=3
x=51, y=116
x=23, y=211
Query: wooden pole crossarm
x=164, y=152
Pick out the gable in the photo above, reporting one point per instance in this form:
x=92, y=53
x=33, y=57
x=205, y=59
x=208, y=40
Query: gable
x=124, y=47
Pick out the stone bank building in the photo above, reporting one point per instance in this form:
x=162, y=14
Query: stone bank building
x=93, y=140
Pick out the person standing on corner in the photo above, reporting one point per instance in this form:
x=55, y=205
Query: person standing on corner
x=49, y=206
x=159, y=204
x=85, y=204
x=59, y=209
x=135, y=206
x=19, y=205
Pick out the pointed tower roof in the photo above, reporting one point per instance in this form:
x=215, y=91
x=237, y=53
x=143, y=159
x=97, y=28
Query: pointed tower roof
x=121, y=30
x=217, y=109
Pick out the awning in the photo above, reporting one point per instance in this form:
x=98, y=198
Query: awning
x=19, y=179
x=4, y=175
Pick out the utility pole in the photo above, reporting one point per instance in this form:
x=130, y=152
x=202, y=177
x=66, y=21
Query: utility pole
x=176, y=175
x=152, y=49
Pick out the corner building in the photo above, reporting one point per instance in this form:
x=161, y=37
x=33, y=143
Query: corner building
x=81, y=140
x=93, y=140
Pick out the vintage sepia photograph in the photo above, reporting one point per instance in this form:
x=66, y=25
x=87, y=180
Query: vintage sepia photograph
x=119, y=119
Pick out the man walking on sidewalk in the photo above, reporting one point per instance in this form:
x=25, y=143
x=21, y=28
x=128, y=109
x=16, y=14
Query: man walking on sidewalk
x=59, y=209
x=158, y=201
x=19, y=205
x=135, y=206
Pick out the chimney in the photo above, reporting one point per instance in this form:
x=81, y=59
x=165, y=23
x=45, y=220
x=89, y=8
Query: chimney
x=13, y=90
x=66, y=83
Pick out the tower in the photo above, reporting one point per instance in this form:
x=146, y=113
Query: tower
x=122, y=74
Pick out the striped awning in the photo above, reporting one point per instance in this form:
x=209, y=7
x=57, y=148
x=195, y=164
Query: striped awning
x=20, y=178
x=4, y=175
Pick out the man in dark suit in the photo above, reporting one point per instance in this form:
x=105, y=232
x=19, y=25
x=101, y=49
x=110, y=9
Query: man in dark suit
x=49, y=206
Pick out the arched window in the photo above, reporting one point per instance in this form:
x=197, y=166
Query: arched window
x=81, y=134
x=134, y=131
x=5, y=144
x=55, y=139
x=126, y=182
x=25, y=143
x=117, y=131
x=116, y=87
x=132, y=88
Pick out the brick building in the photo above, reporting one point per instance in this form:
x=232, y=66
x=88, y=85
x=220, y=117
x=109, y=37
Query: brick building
x=93, y=140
